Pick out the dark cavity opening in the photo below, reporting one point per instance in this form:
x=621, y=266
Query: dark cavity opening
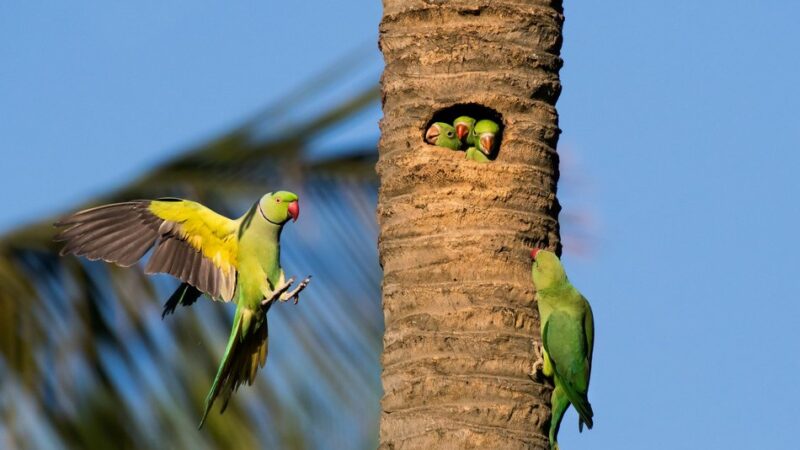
x=476, y=111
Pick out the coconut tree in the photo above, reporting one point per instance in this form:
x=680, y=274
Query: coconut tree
x=454, y=234
x=86, y=362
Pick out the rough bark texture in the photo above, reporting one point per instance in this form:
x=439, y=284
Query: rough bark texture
x=455, y=235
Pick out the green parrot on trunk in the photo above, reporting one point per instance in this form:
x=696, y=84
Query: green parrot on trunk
x=483, y=138
x=567, y=328
x=228, y=260
x=443, y=135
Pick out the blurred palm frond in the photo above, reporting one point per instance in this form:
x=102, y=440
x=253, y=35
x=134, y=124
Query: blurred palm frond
x=87, y=362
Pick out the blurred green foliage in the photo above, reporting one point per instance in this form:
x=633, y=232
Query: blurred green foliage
x=87, y=362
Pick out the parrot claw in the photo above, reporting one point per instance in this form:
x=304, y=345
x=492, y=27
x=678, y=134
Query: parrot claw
x=295, y=294
x=537, y=368
x=277, y=294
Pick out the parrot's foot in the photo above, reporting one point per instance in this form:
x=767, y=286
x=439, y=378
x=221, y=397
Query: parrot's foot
x=537, y=368
x=277, y=294
x=295, y=293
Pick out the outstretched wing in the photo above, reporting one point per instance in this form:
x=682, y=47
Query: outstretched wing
x=192, y=242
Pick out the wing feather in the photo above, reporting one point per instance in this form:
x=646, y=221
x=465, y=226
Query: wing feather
x=192, y=242
x=94, y=232
x=130, y=250
x=190, y=265
x=565, y=342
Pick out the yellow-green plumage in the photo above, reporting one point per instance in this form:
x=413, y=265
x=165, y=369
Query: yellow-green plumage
x=259, y=273
x=567, y=329
x=213, y=234
x=476, y=155
x=483, y=137
x=223, y=258
x=463, y=126
x=442, y=134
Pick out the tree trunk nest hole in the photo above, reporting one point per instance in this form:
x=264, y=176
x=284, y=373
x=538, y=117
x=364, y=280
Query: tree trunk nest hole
x=470, y=127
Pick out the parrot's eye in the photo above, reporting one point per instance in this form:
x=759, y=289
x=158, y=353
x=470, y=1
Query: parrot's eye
x=449, y=134
x=277, y=200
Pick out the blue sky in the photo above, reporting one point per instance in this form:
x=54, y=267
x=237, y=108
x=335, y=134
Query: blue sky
x=680, y=129
x=94, y=93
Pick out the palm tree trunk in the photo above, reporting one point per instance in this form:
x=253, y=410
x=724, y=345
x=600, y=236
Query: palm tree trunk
x=455, y=235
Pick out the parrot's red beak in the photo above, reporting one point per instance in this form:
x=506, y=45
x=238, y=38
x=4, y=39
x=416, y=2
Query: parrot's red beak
x=461, y=131
x=534, y=252
x=294, y=210
x=432, y=134
x=487, y=143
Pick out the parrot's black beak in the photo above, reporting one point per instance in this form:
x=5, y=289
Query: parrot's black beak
x=294, y=210
x=432, y=134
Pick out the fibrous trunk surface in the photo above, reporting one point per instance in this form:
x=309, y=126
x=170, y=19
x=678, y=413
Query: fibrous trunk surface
x=456, y=235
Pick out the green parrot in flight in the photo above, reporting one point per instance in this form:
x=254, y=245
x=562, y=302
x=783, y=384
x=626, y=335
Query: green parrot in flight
x=483, y=138
x=228, y=260
x=463, y=126
x=443, y=135
x=567, y=327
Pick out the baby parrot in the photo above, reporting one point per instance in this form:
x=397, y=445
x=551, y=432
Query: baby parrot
x=567, y=328
x=483, y=136
x=463, y=126
x=228, y=260
x=442, y=135
x=476, y=155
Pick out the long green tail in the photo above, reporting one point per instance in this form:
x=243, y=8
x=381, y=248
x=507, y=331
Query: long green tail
x=580, y=403
x=246, y=352
x=558, y=406
x=559, y=402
